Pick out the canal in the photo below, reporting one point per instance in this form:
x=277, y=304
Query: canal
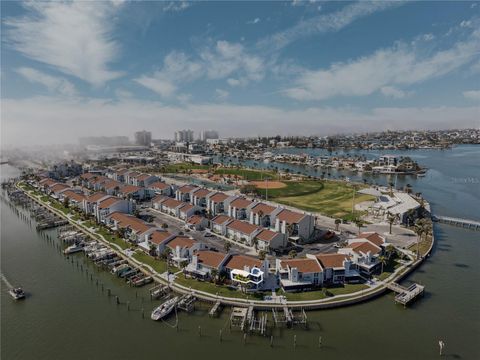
x=68, y=316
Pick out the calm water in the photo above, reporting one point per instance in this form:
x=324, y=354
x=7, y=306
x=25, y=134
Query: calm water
x=66, y=316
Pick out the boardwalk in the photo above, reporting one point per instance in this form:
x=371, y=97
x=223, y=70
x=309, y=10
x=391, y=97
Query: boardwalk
x=465, y=223
x=405, y=295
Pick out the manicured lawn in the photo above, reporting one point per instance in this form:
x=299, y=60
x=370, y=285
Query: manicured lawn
x=60, y=207
x=423, y=246
x=305, y=296
x=247, y=174
x=211, y=288
x=347, y=289
x=183, y=167
x=330, y=198
x=113, y=239
x=160, y=266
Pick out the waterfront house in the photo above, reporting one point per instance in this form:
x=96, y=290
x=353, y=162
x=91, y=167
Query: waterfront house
x=242, y=231
x=111, y=204
x=374, y=237
x=184, y=193
x=97, y=182
x=120, y=175
x=249, y=273
x=299, y=274
x=268, y=240
x=364, y=254
x=238, y=208
x=199, y=197
x=144, y=180
x=158, y=200
x=216, y=203
x=85, y=178
x=56, y=189
x=203, y=262
x=262, y=214
x=161, y=188
x=133, y=228
x=197, y=222
x=296, y=225
x=156, y=239
x=337, y=268
x=182, y=248
x=171, y=206
x=130, y=177
x=74, y=199
x=219, y=224
x=91, y=201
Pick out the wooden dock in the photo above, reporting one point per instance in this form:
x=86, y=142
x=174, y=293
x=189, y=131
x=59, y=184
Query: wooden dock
x=405, y=295
x=465, y=223
x=238, y=317
x=215, y=309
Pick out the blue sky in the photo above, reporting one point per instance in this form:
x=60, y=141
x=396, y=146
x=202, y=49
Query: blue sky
x=71, y=69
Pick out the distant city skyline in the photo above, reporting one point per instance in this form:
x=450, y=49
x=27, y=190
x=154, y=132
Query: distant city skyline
x=80, y=69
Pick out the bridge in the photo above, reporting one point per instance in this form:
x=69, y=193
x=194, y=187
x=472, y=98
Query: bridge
x=465, y=223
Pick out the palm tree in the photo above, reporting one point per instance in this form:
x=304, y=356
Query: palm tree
x=391, y=218
x=255, y=243
x=214, y=275
x=360, y=223
x=292, y=254
x=262, y=255
x=382, y=259
x=337, y=223
x=227, y=246
x=419, y=229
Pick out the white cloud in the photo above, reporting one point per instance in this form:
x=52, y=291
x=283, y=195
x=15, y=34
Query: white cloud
x=74, y=37
x=50, y=120
x=177, y=68
x=254, y=21
x=221, y=94
x=472, y=94
x=176, y=6
x=324, y=23
x=52, y=83
x=400, y=65
x=392, y=92
x=122, y=93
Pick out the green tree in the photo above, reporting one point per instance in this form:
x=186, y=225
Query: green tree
x=292, y=254
x=262, y=254
x=359, y=223
x=392, y=218
x=337, y=224
x=227, y=246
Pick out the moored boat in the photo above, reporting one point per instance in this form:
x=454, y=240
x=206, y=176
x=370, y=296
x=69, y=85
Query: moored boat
x=163, y=310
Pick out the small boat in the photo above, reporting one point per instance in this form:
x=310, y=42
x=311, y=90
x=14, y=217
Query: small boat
x=164, y=309
x=74, y=248
x=17, y=293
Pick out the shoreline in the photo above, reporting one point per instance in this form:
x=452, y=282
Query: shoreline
x=337, y=301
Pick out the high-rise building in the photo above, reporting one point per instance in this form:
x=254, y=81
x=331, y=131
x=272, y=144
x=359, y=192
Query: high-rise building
x=208, y=134
x=143, y=138
x=184, y=136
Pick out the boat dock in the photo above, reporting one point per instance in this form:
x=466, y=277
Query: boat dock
x=158, y=291
x=464, y=223
x=215, y=309
x=187, y=303
x=238, y=318
x=405, y=295
x=289, y=318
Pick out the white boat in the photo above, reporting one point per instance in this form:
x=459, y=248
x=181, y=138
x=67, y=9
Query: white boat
x=17, y=293
x=164, y=309
x=74, y=248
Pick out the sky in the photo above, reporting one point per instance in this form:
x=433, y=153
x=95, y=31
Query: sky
x=76, y=68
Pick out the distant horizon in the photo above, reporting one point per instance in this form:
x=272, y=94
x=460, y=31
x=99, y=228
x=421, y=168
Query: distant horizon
x=73, y=69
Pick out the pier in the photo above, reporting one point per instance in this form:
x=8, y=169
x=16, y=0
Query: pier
x=215, y=309
x=405, y=295
x=187, y=303
x=464, y=223
x=238, y=318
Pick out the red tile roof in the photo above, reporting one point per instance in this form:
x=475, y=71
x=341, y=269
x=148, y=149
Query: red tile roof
x=129, y=189
x=112, y=184
x=59, y=187
x=159, y=198
x=158, y=185
x=105, y=204
x=332, y=260
x=219, y=197
x=87, y=175
x=303, y=265
x=157, y=237
x=125, y=220
x=186, y=188
x=266, y=235
x=195, y=219
x=186, y=207
x=373, y=237
x=364, y=247
x=73, y=195
x=290, y=217
x=182, y=241
x=95, y=197
x=240, y=261
x=201, y=193
x=240, y=203
x=221, y=219
x=172, y=203
x=242, y=226
x=264, y=208
x=143, y=177
x=211, y=259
